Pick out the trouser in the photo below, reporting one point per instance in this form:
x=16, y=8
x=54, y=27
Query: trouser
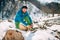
x=17, y=24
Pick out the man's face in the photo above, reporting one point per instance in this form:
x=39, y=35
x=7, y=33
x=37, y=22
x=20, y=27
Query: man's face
x=24, y=10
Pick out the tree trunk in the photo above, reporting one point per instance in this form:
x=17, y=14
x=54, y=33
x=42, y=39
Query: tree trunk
x=52, y=14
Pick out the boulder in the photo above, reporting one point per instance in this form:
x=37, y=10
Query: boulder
x=13, y=35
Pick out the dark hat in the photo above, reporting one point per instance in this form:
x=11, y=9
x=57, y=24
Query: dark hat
x=24, y=7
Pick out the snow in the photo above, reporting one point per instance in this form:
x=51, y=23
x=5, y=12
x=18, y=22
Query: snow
x=47, y=18
x=55, y=27
x=38, y=35
x=4, y=26
x=43, y=35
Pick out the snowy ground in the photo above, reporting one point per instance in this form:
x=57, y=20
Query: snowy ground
x=40, y=34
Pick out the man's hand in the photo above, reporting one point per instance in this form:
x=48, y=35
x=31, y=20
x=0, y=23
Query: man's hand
x=30, y=27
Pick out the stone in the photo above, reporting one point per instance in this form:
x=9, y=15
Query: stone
x=13, y=35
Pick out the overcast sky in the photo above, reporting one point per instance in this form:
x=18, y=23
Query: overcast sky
x=45, y=1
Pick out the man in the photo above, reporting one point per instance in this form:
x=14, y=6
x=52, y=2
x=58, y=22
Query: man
x=22, y=20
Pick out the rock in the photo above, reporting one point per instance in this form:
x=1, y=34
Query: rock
x=13, y=35
x=58, y=33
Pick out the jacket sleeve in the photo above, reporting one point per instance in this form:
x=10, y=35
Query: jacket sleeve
x=28, y=19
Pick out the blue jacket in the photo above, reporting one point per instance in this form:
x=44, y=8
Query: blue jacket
x=20, y=17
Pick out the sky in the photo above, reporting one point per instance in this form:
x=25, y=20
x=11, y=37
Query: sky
x=57, y=1
x=48, y=1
